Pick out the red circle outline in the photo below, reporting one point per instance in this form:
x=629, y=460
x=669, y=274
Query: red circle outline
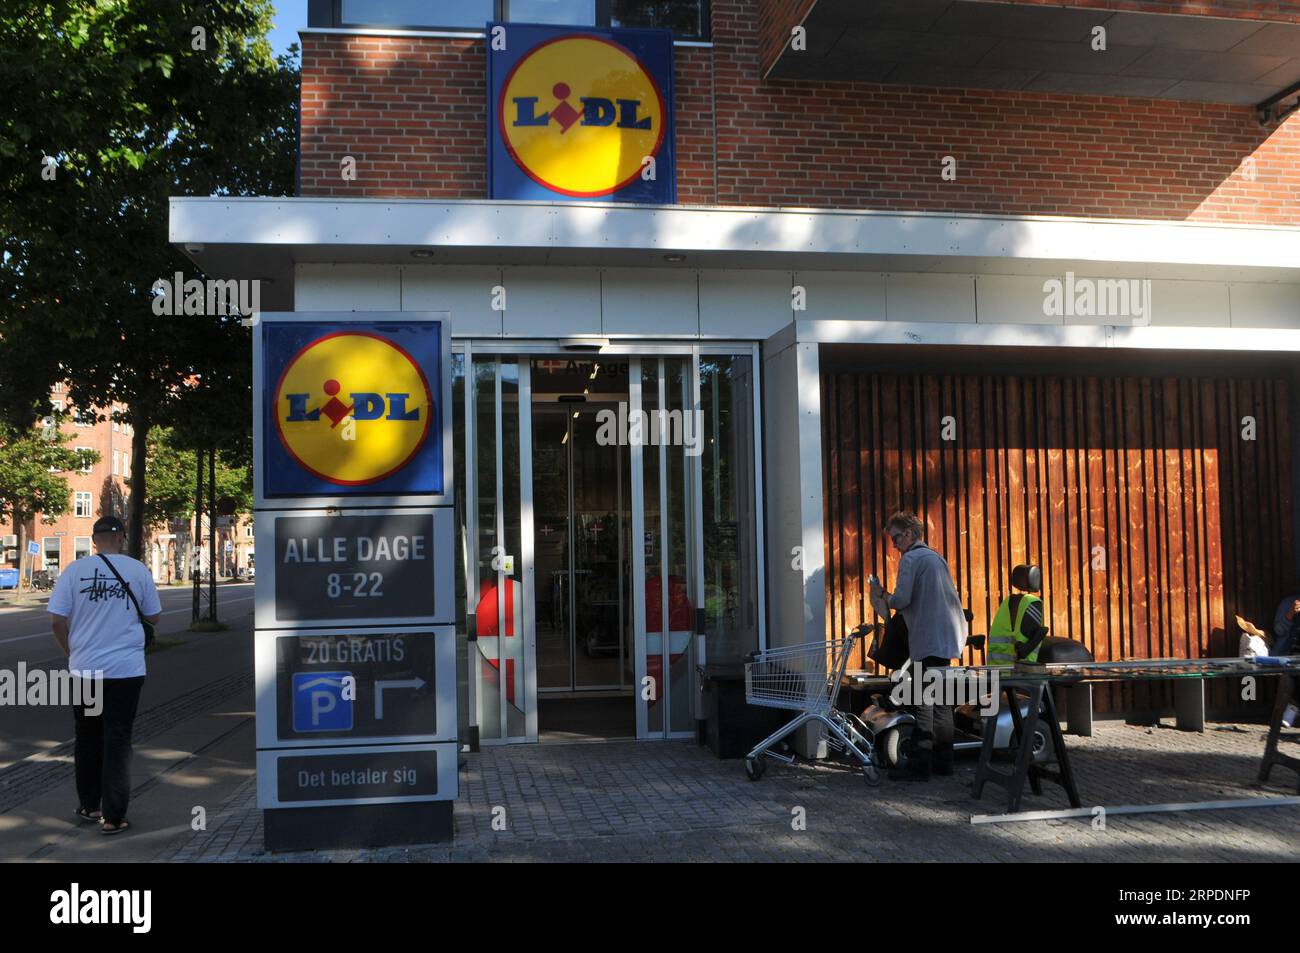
x=428, y=417
x=501, y=104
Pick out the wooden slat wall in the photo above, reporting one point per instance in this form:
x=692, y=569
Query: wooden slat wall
x=1193, y=521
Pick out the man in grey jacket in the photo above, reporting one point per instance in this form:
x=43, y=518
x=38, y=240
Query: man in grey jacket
x=936, y=627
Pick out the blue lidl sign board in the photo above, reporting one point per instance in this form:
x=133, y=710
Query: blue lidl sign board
x=352, y=408
x=580, y=114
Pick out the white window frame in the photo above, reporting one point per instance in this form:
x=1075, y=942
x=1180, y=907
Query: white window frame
x=45, y=550
x=76, y=546
x=88, y=468
x=83, y=496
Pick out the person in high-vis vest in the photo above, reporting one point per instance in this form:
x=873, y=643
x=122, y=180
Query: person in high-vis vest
x=1018, y=631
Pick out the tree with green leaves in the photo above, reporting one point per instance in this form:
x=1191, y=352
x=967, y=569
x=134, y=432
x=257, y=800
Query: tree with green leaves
x=171, y=469
x=30, y=463
x=112, y=107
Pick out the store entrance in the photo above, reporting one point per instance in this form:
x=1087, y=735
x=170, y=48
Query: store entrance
x=582, y=531
x=583, y=540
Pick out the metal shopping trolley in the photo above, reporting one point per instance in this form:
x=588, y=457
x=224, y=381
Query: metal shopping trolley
x=805, y=678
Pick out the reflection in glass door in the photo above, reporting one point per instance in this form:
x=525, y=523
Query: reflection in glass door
x=502, y=682
x=665, y=436
x=584, y=528
x=581, y=501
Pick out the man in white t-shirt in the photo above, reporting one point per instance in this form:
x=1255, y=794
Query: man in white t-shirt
x=97, y=626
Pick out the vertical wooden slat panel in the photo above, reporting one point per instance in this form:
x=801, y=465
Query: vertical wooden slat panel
x=1077, y=601
x=928, y=425
x=892, y=467
x=1016, y=503
x=948, y=449
x=1193, y=543
x=1096, y=491
x=977, y=525
x=1194, y=521
x=1173, y=556
x=834, y=526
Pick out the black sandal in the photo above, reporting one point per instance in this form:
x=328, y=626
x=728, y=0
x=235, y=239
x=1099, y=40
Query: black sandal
x=109, y=830
x=85, y=814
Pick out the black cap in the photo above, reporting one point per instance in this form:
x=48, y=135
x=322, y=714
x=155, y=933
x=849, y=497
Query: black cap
x=108, y=524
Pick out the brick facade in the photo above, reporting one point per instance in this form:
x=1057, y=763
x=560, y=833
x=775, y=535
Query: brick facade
x=411, y=111
x=105, y=482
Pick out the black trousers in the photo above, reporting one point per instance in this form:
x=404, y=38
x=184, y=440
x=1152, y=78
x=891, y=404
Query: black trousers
x=932, y=740
x=103, y=748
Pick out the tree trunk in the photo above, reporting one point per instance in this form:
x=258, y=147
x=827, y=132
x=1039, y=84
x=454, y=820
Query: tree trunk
x=139, y=457
x=20, y=527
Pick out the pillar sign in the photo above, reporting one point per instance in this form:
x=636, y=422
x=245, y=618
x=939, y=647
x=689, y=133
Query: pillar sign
x=354, y=610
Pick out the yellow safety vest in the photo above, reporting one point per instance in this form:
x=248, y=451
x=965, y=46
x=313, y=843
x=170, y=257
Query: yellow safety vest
x=1004, y=635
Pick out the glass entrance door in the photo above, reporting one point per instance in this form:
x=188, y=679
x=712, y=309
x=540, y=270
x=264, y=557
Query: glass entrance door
x=665, y=436
x=583, y=544
x=500, y=578
x=582, y=505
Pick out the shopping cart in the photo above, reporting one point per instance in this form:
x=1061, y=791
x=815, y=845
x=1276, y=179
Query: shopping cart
x=805, y=678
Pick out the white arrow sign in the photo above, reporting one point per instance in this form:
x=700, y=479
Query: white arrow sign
x=416, y=683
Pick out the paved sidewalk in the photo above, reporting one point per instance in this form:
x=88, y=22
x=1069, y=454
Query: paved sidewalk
x=676, y=802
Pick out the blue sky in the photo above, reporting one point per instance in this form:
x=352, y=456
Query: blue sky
x=290, y=17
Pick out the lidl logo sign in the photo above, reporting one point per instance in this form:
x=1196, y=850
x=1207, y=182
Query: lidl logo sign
x=352, y=408
x=359, y=433
x=581, y=115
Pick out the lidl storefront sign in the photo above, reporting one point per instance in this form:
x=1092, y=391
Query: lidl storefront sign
x=352, y=408
x=582, y=115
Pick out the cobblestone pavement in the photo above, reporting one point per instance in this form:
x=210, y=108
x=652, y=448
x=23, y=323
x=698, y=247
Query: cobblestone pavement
x=35, y=775
x=676, y=802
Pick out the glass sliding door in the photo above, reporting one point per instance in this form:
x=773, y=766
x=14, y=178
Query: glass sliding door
x=580, y=493
x=665, y=436
x=609, y=521
x=500, y=582
x=730, y=519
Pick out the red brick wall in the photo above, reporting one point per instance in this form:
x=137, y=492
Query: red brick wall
x=693, y=88
x=412, y=112
x=865, y=145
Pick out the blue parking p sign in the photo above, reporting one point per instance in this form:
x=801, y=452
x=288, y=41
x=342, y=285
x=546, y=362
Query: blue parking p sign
x=320, y=701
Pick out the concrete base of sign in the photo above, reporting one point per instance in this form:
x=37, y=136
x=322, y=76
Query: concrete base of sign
x=360, y=825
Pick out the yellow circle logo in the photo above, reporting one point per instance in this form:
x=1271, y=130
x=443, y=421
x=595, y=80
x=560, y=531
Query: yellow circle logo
x=580, y=115
x=352, y=407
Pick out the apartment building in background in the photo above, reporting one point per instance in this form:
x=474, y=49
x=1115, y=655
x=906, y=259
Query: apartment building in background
x=103, y=489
